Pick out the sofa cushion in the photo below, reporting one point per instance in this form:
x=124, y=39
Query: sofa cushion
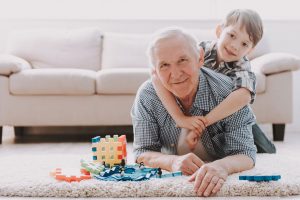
x=276, y=62
x=125, y=50
x=53, y=82
x=121, y=81
x=10, y=64
x=58, y=48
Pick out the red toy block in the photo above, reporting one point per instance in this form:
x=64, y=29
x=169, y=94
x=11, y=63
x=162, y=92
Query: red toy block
x=60, y=175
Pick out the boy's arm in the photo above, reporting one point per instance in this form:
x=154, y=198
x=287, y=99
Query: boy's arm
x=196, y=123
x=244, y=81
x=167, y=99
x=231, y=104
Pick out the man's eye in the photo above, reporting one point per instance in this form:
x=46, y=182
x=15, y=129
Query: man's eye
x=163, y=66
x=182, y=60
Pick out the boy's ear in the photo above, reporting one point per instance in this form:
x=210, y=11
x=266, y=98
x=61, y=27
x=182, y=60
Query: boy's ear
x=219, y=30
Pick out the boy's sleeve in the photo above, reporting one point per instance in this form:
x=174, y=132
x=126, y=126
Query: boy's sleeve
x=243, y=77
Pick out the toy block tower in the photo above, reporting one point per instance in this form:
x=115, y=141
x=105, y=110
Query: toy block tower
x=109, y=150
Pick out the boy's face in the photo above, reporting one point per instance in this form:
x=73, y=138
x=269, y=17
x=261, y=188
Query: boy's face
x=233, y=43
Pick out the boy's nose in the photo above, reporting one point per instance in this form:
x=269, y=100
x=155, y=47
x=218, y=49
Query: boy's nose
x=234, y=47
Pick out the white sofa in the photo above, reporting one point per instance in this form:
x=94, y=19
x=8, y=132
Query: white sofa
x=86, y=77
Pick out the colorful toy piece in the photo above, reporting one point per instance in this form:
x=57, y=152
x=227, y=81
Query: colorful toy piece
x=260, y=178
x=109, y=150
x=94, y=168
x=58, y=174
x=171, y=174
x=128, y=173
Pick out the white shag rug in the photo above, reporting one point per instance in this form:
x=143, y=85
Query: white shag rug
x=28, y=176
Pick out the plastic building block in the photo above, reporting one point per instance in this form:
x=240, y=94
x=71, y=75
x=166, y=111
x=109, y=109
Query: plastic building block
x=259, y=178
x=173, y=174
x=60, y=175
x=94, y=168
x=133, y=173
x=109, y=150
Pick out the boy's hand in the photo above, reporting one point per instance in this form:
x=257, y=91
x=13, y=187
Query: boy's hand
x=193, y=123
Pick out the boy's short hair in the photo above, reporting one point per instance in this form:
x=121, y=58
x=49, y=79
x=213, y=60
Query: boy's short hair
x=248, y=19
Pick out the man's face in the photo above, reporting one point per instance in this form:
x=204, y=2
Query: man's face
x=233, y=43
x=177, y=66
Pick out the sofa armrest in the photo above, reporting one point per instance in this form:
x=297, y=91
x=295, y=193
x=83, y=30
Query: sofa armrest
x=10, y=64
x=271, y=63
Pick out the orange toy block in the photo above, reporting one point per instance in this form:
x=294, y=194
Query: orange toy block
x=61, y=175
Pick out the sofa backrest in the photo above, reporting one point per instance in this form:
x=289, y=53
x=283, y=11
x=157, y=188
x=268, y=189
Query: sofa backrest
x=90, y=49
x=79, y=48
x=128, y=50
x=125, y=50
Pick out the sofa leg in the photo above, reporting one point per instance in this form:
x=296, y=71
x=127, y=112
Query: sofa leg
x=19, y=131
x=278, y=132
x=1, y=130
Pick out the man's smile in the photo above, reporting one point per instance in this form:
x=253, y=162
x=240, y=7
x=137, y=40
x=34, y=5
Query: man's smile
x=180, y=82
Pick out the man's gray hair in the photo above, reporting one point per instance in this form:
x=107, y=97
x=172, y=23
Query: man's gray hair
x=171, y=33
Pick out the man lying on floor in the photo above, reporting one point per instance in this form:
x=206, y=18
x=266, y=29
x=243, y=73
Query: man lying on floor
x=228, y=144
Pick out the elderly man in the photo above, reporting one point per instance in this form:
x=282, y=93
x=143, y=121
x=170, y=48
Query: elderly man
x=228, y=144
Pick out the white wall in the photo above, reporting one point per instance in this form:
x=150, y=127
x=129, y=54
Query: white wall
x=283, y=37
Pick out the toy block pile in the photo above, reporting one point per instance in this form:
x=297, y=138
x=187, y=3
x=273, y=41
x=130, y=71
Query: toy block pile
x=109, y=151
x=109, y=164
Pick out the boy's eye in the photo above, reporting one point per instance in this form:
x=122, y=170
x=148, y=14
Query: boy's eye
x=245, y=45
x=231, y=35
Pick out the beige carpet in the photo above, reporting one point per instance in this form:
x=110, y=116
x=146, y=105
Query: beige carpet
x=27, y=176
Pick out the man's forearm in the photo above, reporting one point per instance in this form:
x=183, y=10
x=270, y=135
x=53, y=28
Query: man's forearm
x=156, y=159
x=236, y=163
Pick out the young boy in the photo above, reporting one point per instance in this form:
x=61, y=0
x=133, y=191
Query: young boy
x=237, y=36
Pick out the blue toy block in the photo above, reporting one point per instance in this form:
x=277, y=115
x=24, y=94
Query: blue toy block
x=173, y=174
x=259, y=178
x=96, y=139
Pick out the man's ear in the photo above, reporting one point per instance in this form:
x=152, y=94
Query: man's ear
x=219, y=30
x=201, y=57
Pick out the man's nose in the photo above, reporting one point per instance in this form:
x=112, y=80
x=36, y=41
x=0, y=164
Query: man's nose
x=176, y=72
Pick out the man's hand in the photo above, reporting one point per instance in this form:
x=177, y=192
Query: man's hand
x=209, y=179
x=188, y=164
